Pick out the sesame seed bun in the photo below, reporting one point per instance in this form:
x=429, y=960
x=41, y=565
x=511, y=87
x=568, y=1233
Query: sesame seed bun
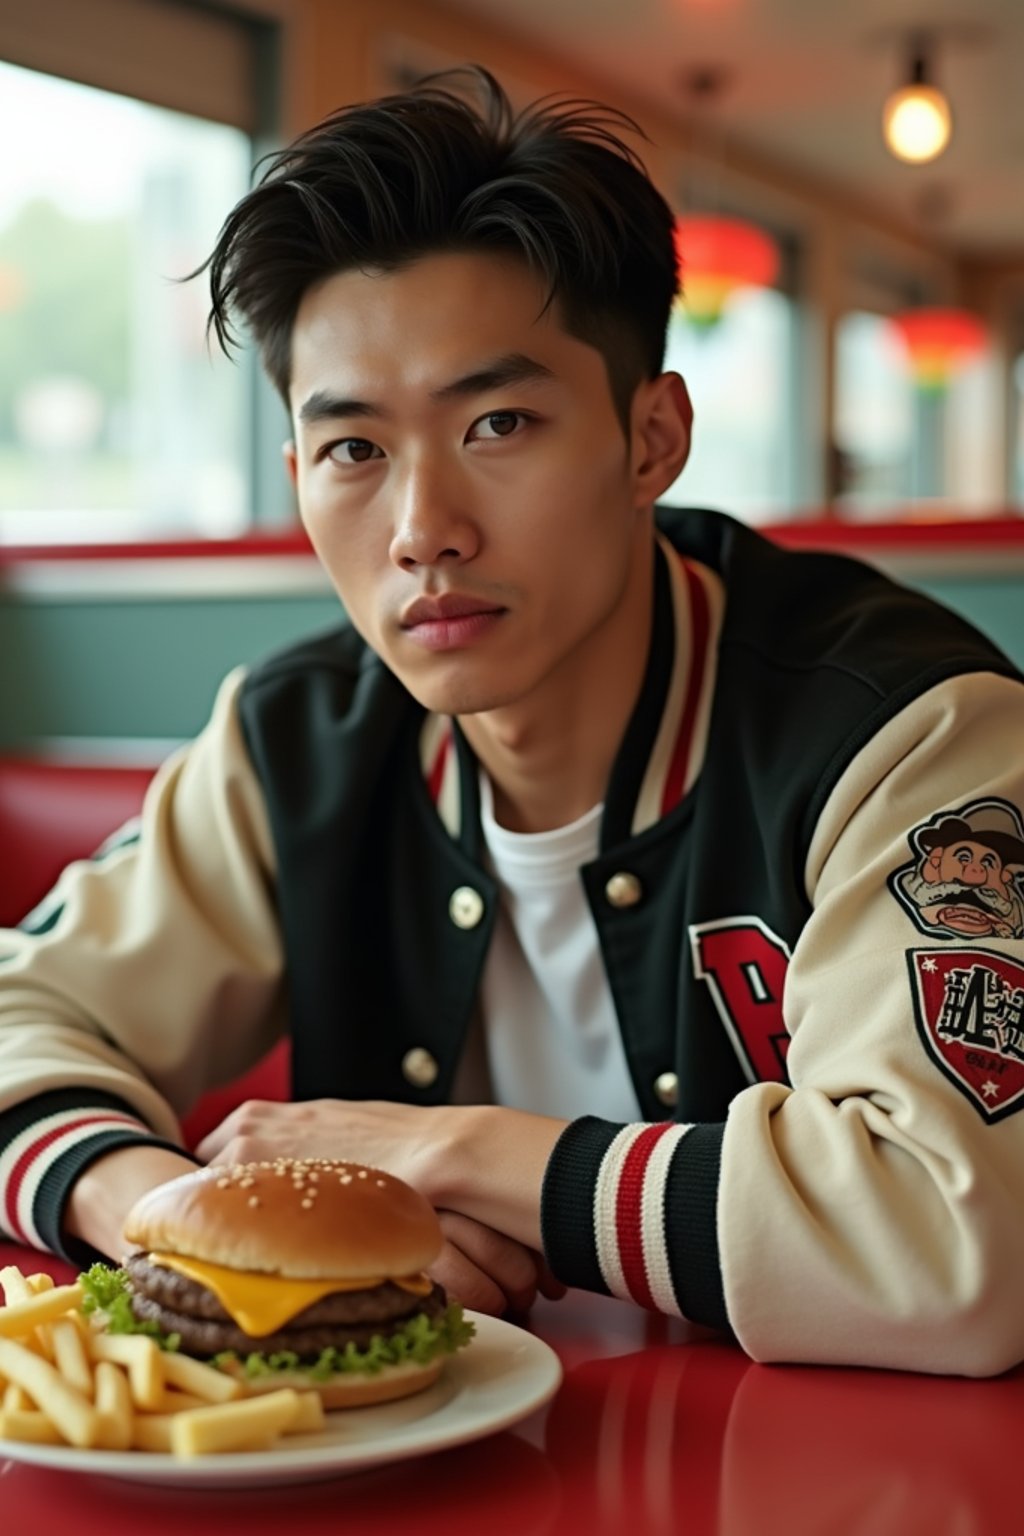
x=318, y=1219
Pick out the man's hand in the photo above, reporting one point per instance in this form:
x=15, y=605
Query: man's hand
x=403, y=1138
x=481, y=1167
x=488, y=1271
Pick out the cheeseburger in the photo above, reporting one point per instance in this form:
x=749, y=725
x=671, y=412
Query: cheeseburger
x=295, y=1273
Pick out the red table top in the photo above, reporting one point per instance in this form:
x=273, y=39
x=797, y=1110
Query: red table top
x=655, y=1431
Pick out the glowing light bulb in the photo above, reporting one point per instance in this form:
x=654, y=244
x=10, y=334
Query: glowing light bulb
x=917, y=123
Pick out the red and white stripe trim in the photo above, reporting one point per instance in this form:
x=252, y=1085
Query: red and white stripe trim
x=440, y=768
x=678, y=753
x=629, y=1215
x=25, y=1160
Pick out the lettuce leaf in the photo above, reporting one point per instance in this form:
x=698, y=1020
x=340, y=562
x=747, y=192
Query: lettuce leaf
x=420, y=1340
x=417, y=1341
x=107, y=1292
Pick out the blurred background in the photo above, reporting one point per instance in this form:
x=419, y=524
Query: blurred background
x=849, y=183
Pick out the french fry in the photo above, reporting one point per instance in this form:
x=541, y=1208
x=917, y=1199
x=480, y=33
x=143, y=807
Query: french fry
x=15, y=1284
x=202, y=1380
x=74, y=1416
x=178, y=1402
x=152, y=1432
x=233, y=1426
x=310, y=1414
x=20, y=1317
x=19, y=1287
x=144, y=1360
x=29, y=1424
x=69, y=1356
x=120, y=1391
x=114, y=1406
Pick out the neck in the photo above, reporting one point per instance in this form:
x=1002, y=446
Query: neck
x=549, y=757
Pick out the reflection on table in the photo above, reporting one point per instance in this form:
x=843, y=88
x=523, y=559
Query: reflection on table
x=657, y=1429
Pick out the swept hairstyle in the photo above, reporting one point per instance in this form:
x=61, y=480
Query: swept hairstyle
x=377, y=185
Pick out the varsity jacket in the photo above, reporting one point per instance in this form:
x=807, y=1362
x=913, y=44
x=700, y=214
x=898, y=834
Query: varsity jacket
x=824, y=1031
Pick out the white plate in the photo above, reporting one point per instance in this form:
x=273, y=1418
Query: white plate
x=503, y=1375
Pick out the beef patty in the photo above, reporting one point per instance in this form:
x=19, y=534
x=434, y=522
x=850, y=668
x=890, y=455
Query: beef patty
x=180, y=1305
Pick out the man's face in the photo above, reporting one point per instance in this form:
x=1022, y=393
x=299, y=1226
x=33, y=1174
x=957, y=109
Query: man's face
x=463, y=475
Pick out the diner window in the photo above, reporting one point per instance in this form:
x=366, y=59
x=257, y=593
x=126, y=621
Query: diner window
x=117, y=420
x=974, y=460
x=740, y=373
x=884, y=451
x=902, y=450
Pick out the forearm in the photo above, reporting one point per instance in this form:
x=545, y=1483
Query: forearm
x=104, y=1194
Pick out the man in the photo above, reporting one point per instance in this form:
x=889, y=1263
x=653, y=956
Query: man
x=565, y=861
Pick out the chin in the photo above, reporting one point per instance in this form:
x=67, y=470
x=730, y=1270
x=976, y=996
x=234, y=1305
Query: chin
x=462, y=695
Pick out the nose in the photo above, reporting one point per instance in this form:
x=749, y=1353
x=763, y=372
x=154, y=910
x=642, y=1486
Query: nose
x=432, y=525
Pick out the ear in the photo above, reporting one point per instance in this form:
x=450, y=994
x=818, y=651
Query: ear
x=662, y=423
x=291, y=461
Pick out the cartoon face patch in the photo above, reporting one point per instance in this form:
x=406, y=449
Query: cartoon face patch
x=966, y=877
x=969, y=1012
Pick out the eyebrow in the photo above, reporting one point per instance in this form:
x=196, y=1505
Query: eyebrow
x=497, y=373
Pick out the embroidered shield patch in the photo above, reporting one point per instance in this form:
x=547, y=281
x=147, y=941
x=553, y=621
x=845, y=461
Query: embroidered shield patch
x=969, y=1010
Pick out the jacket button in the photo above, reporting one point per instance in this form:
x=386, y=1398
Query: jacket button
x=623, y=890
x=466, y=907
x=419, y=1068
x=666, y=1089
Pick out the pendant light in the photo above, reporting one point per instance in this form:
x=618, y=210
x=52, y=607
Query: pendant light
x=938, y=343
x=916, y=120
x=717, y=257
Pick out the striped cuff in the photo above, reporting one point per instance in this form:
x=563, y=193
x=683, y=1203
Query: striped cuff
x=630, y=1211
x=45, y=1144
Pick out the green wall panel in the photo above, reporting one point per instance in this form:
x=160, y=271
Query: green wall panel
x=127, y=669
x=995, y=605
x=150, y=668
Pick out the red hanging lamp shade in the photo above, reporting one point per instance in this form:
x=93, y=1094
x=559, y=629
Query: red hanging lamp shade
x=938, y=342
x=716, y=257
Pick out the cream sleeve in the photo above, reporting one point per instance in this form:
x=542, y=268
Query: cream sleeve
x=873, y=1213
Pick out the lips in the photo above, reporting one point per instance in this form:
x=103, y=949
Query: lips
x=445, y=608
x=452, y=621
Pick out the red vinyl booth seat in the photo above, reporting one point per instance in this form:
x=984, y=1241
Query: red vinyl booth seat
x=51, y=813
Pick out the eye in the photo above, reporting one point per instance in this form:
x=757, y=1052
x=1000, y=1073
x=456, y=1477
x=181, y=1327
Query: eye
x=495, y=425
x=352, y=450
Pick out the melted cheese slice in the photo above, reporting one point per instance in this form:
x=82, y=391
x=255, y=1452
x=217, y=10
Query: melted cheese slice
x=260, y=1304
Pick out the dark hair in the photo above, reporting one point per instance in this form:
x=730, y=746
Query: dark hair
x=379, y=184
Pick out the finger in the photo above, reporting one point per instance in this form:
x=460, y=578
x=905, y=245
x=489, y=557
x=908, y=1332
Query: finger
x=548, y=1286
x=465, y=1282
x=508, y=1263
x=241, y=1123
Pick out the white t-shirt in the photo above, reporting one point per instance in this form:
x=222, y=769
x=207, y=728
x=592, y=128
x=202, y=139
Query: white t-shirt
x=550, y=1035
